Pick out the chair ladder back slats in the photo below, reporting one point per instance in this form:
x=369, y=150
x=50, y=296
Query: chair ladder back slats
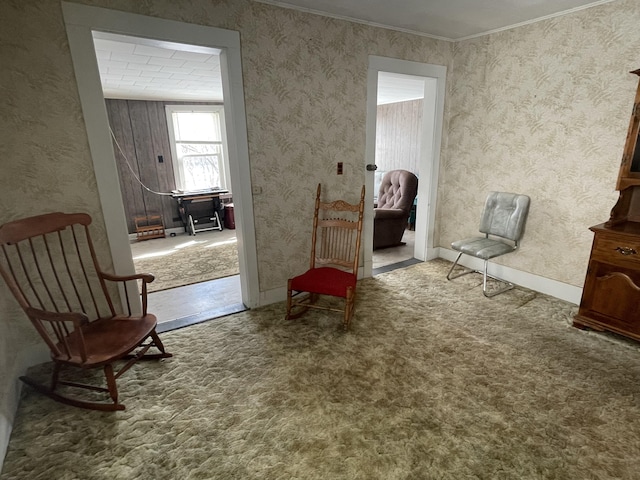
x=338, y=236
x=56, y=275
x=144, y=298
x=61, y=332
x=28, y=277
x=126, y=296
x=336, y=246
x=50, y=266
x=103, y=285
x=9, y=275
x=84, y=271
x=39, y=268
x=67, y=268
x=335, y=240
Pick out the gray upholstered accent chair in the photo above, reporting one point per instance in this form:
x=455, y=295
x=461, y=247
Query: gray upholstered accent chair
x=502, y=223
x=398, y=190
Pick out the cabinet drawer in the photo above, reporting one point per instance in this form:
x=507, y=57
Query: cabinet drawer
x=617, y=249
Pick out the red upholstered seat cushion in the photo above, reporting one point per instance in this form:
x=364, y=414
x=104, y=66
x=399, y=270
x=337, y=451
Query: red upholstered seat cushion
x=325, y=281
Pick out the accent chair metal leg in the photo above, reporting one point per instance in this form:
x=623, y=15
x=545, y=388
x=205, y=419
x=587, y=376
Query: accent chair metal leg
x=464, y=271
x=506, y=285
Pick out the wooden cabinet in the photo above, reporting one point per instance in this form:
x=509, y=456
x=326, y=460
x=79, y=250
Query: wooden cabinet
x=611, y=294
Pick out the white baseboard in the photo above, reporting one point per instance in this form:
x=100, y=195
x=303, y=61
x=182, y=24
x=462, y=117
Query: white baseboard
x=29, y=357
x=563, y=291
x=274, y=295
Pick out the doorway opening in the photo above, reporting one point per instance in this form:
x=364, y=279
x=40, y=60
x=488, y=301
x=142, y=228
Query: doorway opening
x=414, y=93
x=165, y=107
x=399, y=111
x=82, y=22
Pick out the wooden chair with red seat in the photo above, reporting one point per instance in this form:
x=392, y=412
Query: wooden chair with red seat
x=50, y=265
x=335, y=253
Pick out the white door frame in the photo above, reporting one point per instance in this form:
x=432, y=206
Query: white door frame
x=80, y=21
x=429, y=162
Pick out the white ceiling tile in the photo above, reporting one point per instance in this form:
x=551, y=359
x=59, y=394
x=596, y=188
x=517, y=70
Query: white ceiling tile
x=155, y=74
x=183, y=71
x=127, y=82
x=202, y=65
x=153, y=51
x=182, y=76
x=148, y=68
x=121, y=71
x=166, y=81
x=191, y=56
x=112, y=64
x=124, y=57
x=204, y=73
x=168, y=62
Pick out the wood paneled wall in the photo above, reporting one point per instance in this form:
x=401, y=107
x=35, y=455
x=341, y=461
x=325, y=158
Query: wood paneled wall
x=398, y=127
x=140, y=128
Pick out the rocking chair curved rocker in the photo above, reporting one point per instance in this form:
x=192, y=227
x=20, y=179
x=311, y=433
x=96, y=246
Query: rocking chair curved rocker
x=49, y=264
x=335, y=253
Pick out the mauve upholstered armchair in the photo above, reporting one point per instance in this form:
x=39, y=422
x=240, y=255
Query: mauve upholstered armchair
x=398, y=190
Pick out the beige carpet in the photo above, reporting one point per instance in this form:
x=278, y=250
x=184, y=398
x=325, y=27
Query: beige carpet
x=434, y=381
x=195, y=263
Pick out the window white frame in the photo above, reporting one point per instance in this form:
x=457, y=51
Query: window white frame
x=177, y=166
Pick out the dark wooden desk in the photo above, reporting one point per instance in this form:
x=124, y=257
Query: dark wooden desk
x=200, y=211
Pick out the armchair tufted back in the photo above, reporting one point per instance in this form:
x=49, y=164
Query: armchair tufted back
x=398, y=190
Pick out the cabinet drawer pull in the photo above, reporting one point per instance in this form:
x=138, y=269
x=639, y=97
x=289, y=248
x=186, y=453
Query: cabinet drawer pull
x=626, y=250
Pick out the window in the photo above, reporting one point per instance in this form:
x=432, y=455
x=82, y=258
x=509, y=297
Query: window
x=198, y=144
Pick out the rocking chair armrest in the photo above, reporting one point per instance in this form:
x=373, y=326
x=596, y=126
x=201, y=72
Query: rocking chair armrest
x=145, y=277
x=78, y=318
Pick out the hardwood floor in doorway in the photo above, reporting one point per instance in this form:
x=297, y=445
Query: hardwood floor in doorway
x=195, y=303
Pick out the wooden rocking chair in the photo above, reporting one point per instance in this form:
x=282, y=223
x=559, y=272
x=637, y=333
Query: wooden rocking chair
x=335, y=252
x=49, y=263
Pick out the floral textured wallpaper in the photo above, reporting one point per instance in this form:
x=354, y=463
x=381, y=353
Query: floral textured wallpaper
x=305, y=94
x=541, y=109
